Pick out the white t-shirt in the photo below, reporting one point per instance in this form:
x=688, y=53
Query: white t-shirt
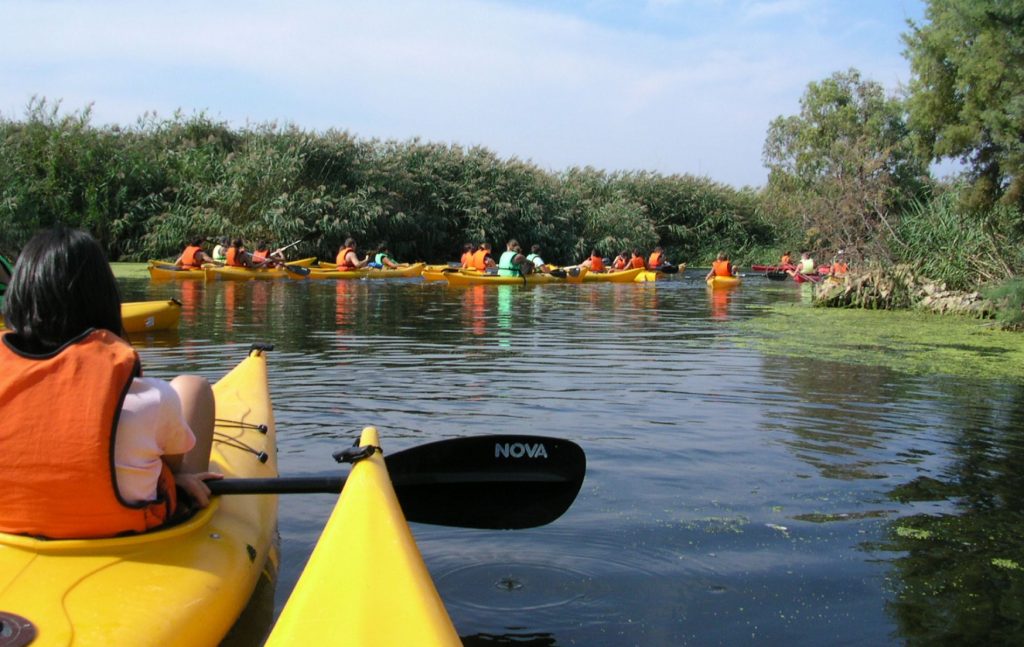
x=151, y=425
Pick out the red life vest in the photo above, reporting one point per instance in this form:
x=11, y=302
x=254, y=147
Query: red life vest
x=620, y=263
x=636, y=262
x=58, y=478
x=655, y=260
x=480, y=260
x=342, y=261
x=596, y=264
x=233, y=258
x=722, y=268
x=260, y=255
x=188, y=257
x=467, y=259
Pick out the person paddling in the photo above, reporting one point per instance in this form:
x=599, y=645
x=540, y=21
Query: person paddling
x=466, y=261
x=383, y=258
x=237, y=256
x=482, y=260
x=535, y=258
x=636, y=260
x=91, y=448
x=193, y=257
x=263, y=257
x=621, y=261
x=805, y=266
x=657, y=259
x=721, y=266
x=220, y=250
x=839, y=266
x=595, y=263
x=348, y=260
x=512, y=261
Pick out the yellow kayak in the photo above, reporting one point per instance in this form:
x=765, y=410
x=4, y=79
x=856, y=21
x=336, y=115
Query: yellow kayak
x=159, y=271
x=184, y=585
x=328, y=271
x=578, y=275
x=365, y=583
x=141, y=316
x=723, y=281
x=613, y=276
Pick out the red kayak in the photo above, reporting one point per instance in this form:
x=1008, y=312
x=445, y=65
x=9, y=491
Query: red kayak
x=772, y=268
x=803, y=278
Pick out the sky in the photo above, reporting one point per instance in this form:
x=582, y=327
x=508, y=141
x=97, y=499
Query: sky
x=670, y=86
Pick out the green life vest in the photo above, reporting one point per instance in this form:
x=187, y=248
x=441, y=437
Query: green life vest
x=379, y=259
x=505, y=265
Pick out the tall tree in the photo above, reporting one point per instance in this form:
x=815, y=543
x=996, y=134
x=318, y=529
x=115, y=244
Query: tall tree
x=842, y=166
x=966, y=96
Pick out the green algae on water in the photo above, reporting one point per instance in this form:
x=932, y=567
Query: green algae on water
x=130, y=270
x=906, y=341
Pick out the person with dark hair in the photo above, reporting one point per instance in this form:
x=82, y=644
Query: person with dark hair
x=237, y=256
x=621, y=260
x=263, y=257
x=636, y=260
x=382, y=259
x=512, y=261
x=535, y=258
x=467, y=255
x=482, y=260
x=90, y=447
x=194, y=256
x=220, y=250
x=595, y=263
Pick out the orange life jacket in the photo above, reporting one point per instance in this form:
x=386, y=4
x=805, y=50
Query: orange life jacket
x=342, y=261
x=722, y=268
x=188, y=257
x=636, y=262
x=58, y=478
x=467, y=259
x=260, y=255
x=620, y=263
x=656, y=259
x=233, y=258
x=785, y=260
x=480, y=260
x=596, y=264
x=839, y=268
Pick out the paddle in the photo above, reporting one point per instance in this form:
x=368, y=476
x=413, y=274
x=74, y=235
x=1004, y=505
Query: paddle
x=668, y=269
x=310, y=235
x=492, y=482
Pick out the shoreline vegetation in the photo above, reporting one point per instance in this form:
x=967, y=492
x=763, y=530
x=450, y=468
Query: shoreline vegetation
x=849, y=172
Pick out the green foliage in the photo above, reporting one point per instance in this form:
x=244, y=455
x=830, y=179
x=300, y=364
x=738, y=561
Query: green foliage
x=967, y=92
x=843, y=168
x=146, y=189
x=1009, y=298
x=947, y=242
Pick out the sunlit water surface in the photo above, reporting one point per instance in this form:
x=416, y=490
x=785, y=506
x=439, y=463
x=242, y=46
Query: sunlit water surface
x=731, y=497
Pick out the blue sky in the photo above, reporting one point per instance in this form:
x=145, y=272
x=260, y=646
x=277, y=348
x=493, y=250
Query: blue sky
x=673, y=86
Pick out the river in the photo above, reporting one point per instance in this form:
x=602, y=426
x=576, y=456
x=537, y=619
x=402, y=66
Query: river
x=733, y=495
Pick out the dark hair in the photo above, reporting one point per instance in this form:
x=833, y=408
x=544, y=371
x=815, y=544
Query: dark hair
x=237, y=243
x=197, y=241
x=61, y=287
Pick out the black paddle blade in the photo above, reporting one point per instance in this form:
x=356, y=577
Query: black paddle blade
x=493, y=482
x=669, y=269
x=297, y=269
x=560, y=273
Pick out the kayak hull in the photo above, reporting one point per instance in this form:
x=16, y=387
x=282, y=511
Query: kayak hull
x=325, y=271
x=462, y=278
x=248, y=274
x=619, y=276
x=144, y=316
x=365, y=583
x=170, y=272
x=723, y=281
x=184, y=585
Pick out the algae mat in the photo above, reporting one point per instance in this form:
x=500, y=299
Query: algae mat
x=130, y=270
x=907, y=341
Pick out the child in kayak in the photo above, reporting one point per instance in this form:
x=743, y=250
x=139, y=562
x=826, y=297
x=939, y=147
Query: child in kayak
x=722, y=266
x=193, y=257
x=91, y=448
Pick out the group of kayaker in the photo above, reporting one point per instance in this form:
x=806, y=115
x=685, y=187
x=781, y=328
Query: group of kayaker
x=513, y=262
x=807, y=267
x=124, y=446
x=348, y=259
x=230, y=253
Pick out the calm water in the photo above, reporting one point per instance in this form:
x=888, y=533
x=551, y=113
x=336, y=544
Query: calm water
x=732, y=497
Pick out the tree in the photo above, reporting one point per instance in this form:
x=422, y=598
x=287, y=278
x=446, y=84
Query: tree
x=966, y=95
x=843, y=165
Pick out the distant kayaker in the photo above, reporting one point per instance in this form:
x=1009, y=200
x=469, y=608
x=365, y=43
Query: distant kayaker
x=621, y=261
x=193, y=257
x=347, y=259
x=786, y=261
x=512, y=261
x=839, y=266
x=721, y=266
x=263, y=257
x=482, y=260
x=467, y=255
x=595, y=263
x=109, y=459
x=636, y=260
x=657, y=259
x=237, y=256
x=220, y=251
x=535, y=258
x=805, y=266
x=383, y=258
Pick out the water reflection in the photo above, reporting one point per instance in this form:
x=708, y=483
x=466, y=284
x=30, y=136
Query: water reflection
x=731, y=498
